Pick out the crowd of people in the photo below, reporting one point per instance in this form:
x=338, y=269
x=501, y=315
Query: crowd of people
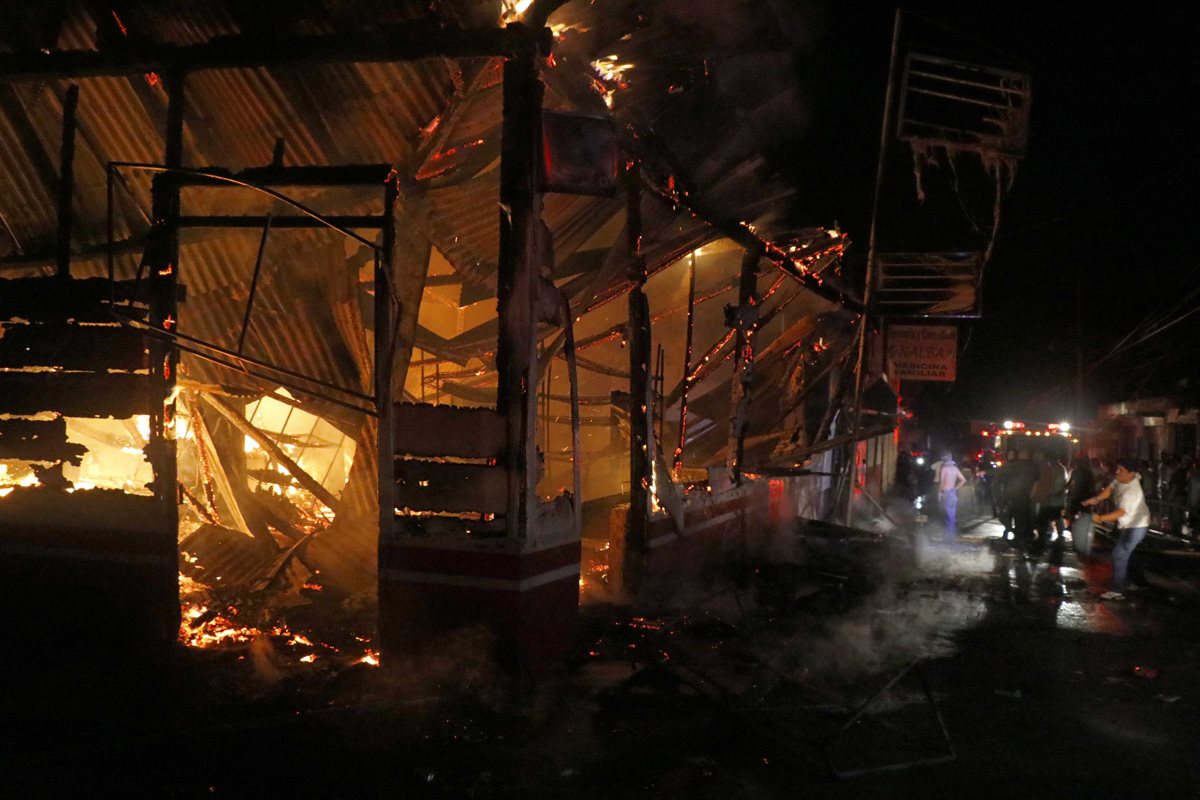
x=1036, y=497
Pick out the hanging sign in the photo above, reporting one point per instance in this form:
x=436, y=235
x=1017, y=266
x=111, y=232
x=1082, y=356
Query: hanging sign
x=923, y=352
x=579, y=154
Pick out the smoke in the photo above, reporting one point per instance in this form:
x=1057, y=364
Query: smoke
x=895, y=625
x=828, y=622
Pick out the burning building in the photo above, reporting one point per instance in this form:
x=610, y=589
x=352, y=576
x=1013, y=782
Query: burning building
x=427, y=305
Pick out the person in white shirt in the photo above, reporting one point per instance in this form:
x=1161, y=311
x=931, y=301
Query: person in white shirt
x=949, y=480
x=1132, y=516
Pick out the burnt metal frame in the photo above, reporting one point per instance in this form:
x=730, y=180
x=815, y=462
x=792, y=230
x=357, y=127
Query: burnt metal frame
x=408, y=41
x=746, y=322
x=888, y=262
x=995, y=90
x=307, y=218
x=642, y=444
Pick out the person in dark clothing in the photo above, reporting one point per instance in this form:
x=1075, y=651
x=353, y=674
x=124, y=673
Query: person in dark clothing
x=1080, y=486
x=1022, y=474
x=1000, y=495
x=1177, y=493
x=1193, y=499
x=1049, y=494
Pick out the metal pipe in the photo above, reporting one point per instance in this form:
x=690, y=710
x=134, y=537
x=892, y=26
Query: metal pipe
x=370, y=412
x=677, y=467
x=176, y=336
x=262, y=248
x=257, y=221
x=279, y=196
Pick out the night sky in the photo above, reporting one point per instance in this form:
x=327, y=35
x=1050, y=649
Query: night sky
x=1100, y=230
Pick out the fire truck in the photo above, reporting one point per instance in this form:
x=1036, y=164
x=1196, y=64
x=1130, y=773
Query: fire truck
x=1038, y=439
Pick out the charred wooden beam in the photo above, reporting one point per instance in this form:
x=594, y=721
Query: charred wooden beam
x=78, y=520
x=517, y=280
x=66, y=181
x=407, y=41
x=745, y=322
x=73, y=347
x=649, y=146
x=162, y=261
x=385, y=335
x=641, y=440
x=306, y=481
x=45, y=299
x=38, y=440
x=75, y=394
x=425, y=430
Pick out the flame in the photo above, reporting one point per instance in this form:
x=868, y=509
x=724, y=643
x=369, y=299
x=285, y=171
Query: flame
x=371, y=657
x=560, y=29
x=511, y=10
x=610, y=77
x=655, y=505
x=201, y=626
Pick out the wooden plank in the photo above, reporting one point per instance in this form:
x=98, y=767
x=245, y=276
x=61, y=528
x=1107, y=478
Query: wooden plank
x=29, y=512
x=427, y=430
x=74, y=394
x=99, y=347
x=435, y=486
x=53, y=299
x=405, y=41
x=306, y=481
x=38, y=440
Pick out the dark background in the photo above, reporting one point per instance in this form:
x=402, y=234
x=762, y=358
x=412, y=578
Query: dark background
x=1099, y=231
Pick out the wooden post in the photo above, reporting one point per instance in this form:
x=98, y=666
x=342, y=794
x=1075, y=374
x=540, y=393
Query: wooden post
x=745, y=323
x=641, y=443
x=162, y=259
x=520, y=214
x=677, y=467
x=66, y=181
x=385, y=345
